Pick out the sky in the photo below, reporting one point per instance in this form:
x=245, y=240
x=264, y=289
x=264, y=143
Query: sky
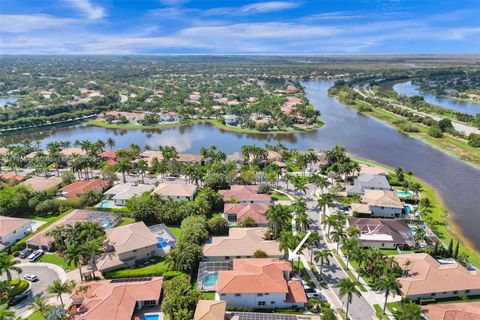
x=239, y=27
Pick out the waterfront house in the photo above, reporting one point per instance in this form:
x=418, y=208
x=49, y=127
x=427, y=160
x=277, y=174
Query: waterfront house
x=428, y=278
x=69, y=152
x=13, y=229
x=379, y=203
x=116, y=299
x=235, y=213
x=40, y=240
x=38, y=184
x=383, y=233
x=230, y=119
x=453, y=311
x=176, y=191
x=260, y=283
x=210, y=310
x=126, y=245
x=245, y=194
x=80, y=188
x=368, y=182
x=121, y=192
x=241, y=243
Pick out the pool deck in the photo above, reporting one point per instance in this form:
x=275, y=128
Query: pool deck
x=147, y=311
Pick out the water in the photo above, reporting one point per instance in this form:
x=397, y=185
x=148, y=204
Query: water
x=151, y=317
x=5, y=100
x=458, y=182
x=403, y=194
x=409, y=89
x=210, y=279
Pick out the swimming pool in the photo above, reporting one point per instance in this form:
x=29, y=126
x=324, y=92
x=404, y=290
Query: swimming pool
x=403, y=194
x=413, y=229
x=210, y=279
x=407, y=209
x=151, y=317
x=107, y=224
x=105, y=204
x=162, y=243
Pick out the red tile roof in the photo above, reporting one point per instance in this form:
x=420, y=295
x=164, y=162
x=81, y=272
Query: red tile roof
x=244, y=193
x=79, y=188
x=256, y=211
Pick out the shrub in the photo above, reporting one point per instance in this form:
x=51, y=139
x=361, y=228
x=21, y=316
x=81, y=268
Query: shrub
x=248, y=222
x=217, y=225
x=260, y=254
x=364, y=108
x=67, y=177
x=435, y=131
x=263, y=188
x=48, y=206
x=474, y=140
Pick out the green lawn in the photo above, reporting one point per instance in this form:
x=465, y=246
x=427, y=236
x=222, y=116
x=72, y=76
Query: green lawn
x=208, y=295
x=276, y=196
x=158, y=268
x=350, y=273
x=125, y=221
x=175, y=230
x=54, y=258
x=379, y=312
x=36, y=316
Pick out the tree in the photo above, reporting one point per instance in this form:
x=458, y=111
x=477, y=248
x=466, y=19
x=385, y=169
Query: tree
x=349, y=247
x=56, y=313
x=278, y=217
x=408, y=310
x=179, y=295
x=6, y=314
x=247, y=222
x=124, y=166
x=142, y=167
x=8, y=264
x=74, y=255
x=389, y=284
x=450, y=248
x=457, y=247
x=348, y=288
x=39, y=305
x=325, y=201
x=217, y=225
x=338, y=235
x=57, y=288
x=322, y=256
x=260, y=254
x=110, y=143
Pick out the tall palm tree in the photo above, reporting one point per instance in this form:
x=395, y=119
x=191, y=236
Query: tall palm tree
x=388, y=283
x=348, y=288
x=39, y=305
x=89, y=251
x=124, y=166
x=408, y=310
x=277, y=216
x=302, y=221
x=328, y=222
x=349, y=245
x=322, y=256
x=338, y=236
x=8, y=264
x=359, y=255
x=6, y=314
x=110, y=143
x=57, y=288
x=74, y=255
x=325, y=201
x=91, y=230
x=142, y=167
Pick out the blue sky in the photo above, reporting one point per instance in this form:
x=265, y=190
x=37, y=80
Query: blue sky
x=238, y=27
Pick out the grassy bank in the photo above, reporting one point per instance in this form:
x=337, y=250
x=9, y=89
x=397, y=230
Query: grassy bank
x=215, y=122
x=440, y=223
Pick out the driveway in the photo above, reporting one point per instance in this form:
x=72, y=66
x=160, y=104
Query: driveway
x=46, y=275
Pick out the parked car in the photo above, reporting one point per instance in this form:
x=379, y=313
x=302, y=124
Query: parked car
x=35, y=256
x=314, y=293
x=15, y=300
x=30, y=277
x=25, y=253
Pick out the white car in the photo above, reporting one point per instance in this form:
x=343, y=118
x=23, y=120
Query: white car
x=314, y=293
x=30, y=277
x=35, y=256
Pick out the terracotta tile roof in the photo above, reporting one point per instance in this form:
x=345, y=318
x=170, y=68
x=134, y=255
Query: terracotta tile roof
x=109, y=154
x=71, y=151
x=210, y=310
x=453, y=311
x=108, y=299
x=130, y=237
x=175, y=189
x=264, y=275
x=296, y=292
x=9, y=224
x=187, y=157
x=386, y=230
x=12, y=176
x=427, y=276
x=244, y=193
x=42, y=183
x=382, y=198
x=241, y=242
x=256, y=211
x=3, y=150
x=79, y=188
x=365, y=169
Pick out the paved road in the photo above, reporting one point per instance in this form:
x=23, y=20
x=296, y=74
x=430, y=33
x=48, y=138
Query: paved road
x=46, y=277
x=359, y=309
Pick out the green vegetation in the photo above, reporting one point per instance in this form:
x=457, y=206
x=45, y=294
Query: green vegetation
x=378, y=312
x=58, y=260
x=153, y=267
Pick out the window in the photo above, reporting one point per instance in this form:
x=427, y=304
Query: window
x=135, y=250
x=227, y=257
x=261, y=303
x=467, y=291
x=455, y=292
x=238, y=294
x=383, y=244
x=272, y=302
x=223, y=294
x=433, y=294
x=232, y=217
x=259, y=294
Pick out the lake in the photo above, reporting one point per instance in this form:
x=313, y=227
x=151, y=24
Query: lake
x=409, y=89
x=458, y=182
x=5, y=100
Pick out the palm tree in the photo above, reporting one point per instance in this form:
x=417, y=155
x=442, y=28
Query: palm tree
x=348, y=288
x=388, y=283
x=324, y=201
x=74, y=255
x=89, y=251
x=338, y=235
x=58, y=288
x=277, y=216
x=6, y=314
x=359, y=255
x=91, y=230
x=322, y=256
x=302, y=221
x=328, y=222
x=408, y=310
x=124, y=166
x=8, y=264
x=39, y=305
x=142, y=167
x=348, y=247
x=110, y=143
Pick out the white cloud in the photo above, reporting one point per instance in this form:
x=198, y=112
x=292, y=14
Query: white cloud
x=89, y=9
x=254, y=8
x=20, y=23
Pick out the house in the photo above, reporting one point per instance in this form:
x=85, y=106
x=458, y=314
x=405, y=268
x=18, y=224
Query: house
x=126, y=245
x=210, y=310
x=121, y=192
x=189, y=158
x=383, y=233
x=3, y=151
x=230, y=119
x=368, y=182
x=135, y=118
x=80, y=188
x=291, y=88
x=68, y=152
x=453, y=311
x=116, y=299
x=170, y=117
x=176, y=191
x=38, y=184
x=13, y=229
x=237, y=212
x=110, y=155
x=260, y=283
x=379, y=203
x=245, y=194
x=11, y=177
x=40, y=240
x=241, y=243
x=429, y=278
